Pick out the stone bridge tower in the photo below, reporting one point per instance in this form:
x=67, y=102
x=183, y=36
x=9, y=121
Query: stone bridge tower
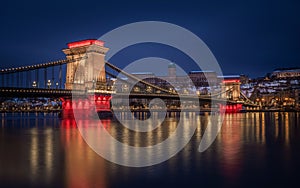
x=231, y=84
x=88, y=64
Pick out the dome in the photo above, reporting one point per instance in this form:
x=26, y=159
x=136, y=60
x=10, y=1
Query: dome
x=171, y=65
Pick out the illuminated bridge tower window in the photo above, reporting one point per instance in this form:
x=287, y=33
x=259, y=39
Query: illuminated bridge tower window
x=88, y=58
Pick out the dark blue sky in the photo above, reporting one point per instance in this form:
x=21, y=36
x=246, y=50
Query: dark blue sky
x=250, y=38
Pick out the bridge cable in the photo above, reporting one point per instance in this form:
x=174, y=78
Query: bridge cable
x=136, y=78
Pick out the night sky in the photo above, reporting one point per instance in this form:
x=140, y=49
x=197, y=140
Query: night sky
x=246, y=37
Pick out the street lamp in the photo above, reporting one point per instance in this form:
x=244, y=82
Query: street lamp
x=149, y=89
x=93, y=83
x=257, y=100
x=125, y=87
x=113, y=84
x=56, y=85
x=34, y=84
x=49, y=83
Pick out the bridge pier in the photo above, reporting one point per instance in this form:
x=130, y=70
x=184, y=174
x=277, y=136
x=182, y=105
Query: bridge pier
x=84, y=107
x=231, y=108
x=102, y=103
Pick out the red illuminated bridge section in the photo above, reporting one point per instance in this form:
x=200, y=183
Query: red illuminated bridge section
x=232, y=82
x=97, y=103
x=85, y=43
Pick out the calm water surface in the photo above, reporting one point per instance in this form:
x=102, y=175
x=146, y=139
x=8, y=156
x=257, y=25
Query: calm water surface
x=252, y=150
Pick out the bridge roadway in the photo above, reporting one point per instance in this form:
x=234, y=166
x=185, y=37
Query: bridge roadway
x=65, y=93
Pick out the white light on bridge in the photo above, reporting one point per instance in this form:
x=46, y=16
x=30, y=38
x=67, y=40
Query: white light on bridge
x=49, y=83
x=34, y=84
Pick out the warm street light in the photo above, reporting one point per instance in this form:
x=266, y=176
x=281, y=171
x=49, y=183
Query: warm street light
x=93, y=83
x=125, y=87
x=34, y=84
x=149, y=89
x=113, y=84
x=49, y=83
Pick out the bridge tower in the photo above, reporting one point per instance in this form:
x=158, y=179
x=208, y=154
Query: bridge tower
x=231, y=91
x=231, y=84
x=87, y=58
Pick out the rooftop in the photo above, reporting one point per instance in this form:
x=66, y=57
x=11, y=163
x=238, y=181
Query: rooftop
x=172, y=65
x=229, y=76
x=143, y=73
x=195, y=72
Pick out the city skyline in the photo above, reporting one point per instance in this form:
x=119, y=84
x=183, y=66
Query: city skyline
x=146, y=93
x=252, y=38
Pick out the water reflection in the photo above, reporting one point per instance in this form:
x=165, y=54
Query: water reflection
x=83, y=168
x=27, y=149
x=230, y=147
x=34, y=154
x=42, y=150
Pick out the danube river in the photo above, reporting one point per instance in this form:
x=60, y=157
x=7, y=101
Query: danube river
x=251, y=150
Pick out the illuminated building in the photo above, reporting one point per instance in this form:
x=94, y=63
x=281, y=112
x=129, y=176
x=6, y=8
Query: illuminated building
x=286, y=73
x=203, y=78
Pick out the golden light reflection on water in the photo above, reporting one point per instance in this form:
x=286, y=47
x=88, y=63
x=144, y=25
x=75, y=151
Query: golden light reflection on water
x=237, y=130
x=263, y=129
x=276, y=124
x=230, y=149
x=84, y=168
x=282, y=125
x=287, y=129
x=49, y=153
x=34, y=154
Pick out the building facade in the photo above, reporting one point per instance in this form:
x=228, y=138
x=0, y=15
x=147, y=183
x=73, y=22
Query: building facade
x=286, y=73
x=203, y=78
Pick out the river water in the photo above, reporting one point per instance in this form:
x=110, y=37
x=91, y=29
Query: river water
x=251, y=150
